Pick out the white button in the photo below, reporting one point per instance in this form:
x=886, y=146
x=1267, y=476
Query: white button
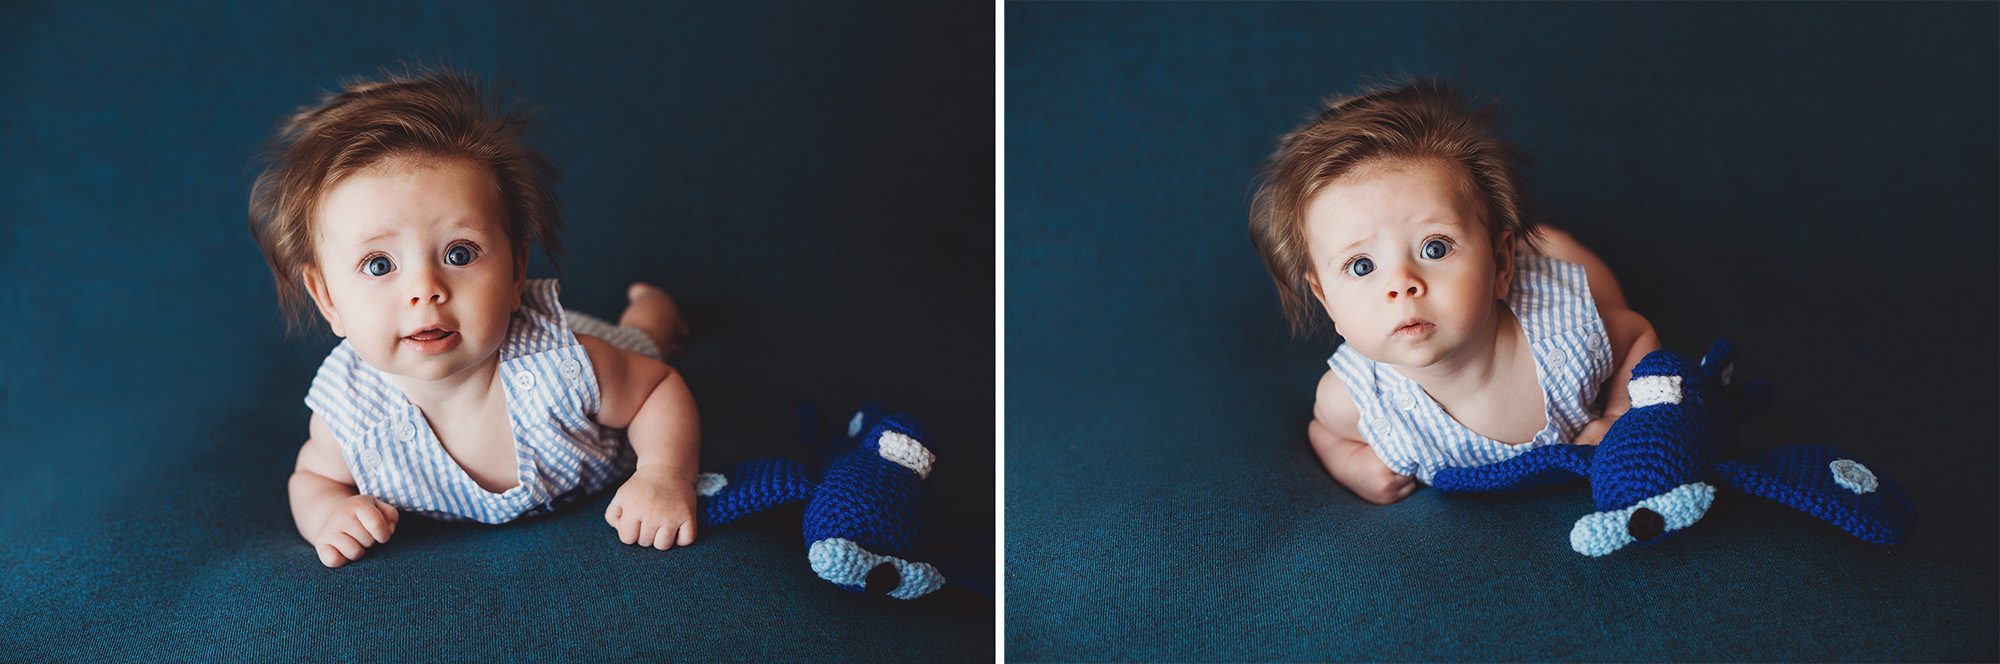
x=572, y=370
x=405, y=431
x=371, y=457
x=1405, y=401
x=524, y=381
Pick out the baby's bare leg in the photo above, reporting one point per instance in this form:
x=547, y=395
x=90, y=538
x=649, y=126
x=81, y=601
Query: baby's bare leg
x=653, y=311
x=1559, y=245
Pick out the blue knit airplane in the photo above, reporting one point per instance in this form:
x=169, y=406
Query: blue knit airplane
x=863, y=521
x=1656, y=470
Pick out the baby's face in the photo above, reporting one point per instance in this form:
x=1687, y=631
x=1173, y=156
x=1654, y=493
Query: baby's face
x=1402, y=262
x=414, y=267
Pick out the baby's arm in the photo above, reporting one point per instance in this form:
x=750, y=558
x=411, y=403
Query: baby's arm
x=1337, y=440
x=649, y=400
x=339, y=523
x=1631, y=335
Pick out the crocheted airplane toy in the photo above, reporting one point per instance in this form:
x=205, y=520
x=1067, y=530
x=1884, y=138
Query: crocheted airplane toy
x=1656, y=469
x=862, y=514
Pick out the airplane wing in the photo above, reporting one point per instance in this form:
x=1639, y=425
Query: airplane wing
x=1829, y=485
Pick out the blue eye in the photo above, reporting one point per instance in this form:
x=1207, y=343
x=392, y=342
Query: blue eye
x=1360, y=267
x=378, y=266
x=1436, y=249
x=459, y=254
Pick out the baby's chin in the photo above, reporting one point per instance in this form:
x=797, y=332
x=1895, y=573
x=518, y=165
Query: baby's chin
x=1402, y=356
x=404, y=363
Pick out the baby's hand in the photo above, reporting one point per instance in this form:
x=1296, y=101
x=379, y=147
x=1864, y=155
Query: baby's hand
x=654, y=508
x=1384, y=486
x=1593, y=433
x=355, y=524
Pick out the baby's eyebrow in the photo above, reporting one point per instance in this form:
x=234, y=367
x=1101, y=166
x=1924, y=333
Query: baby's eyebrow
x=1450, y=221
x=1433, y=221
x=1356, y=243
x=464, y=225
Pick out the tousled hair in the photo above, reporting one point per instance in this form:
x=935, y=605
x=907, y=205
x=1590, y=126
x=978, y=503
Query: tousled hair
x=1422, y=118
x=417, y=113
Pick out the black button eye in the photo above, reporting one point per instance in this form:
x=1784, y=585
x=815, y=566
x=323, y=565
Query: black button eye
x=1645, y=524
x=883, y=579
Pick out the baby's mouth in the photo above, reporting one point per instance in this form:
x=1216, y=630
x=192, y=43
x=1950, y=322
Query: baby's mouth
x=432, y=341
x=432, y=334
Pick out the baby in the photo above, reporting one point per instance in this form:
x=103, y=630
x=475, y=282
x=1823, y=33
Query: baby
x=403, y=210
x=1470, y=334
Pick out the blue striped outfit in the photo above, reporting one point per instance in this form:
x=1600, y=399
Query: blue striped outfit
x=561, y=453
x=1415, y=437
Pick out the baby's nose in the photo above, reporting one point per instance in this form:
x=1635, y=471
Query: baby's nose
x=434, y=293
x=1407, y=292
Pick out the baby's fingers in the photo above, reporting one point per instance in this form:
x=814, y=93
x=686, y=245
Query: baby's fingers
x=628, y=529
x=374, y=526
x=675, y=533
x=348, y=546
x=649, y=531
x=687, y=533
x=330, y=556
x=392, y=513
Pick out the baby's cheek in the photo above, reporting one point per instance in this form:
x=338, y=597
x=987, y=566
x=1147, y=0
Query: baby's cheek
x=493, y=329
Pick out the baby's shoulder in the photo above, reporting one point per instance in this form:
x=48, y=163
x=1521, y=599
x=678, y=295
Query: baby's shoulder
x=344, y=376
x=1333, y=406
x=349, y=394
x=1553, y=305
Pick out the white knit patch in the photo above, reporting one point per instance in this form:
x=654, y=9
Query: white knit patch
x=1853, y=476
x=709, y=484
x=1654, y=390
x=906, y=452
x=854, y=426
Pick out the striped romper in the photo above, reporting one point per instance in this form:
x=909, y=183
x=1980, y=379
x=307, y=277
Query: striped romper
x=1415, y=437
x=561, y=452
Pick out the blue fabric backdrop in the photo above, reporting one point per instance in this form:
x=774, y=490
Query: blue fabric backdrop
x=814, y=181
x=1815, y=181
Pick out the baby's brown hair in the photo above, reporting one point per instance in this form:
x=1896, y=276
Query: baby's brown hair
x=1423, y=118
x=423, y=112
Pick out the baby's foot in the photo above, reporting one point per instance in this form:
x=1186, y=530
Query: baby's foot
x=653, y=311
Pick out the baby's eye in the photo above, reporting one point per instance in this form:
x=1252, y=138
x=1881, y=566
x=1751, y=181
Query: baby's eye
x=1436, y=248
x=1360, y=267
x=378, y=266
x=460, y=254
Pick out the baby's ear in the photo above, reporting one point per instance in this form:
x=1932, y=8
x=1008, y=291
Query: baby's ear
x=316, y=286
x=520, y=273
x=1503, y=264
x=1312, y=282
